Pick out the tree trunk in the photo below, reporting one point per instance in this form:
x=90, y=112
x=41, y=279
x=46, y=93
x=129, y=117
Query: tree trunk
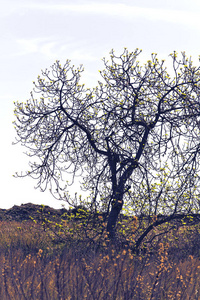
x=112, y=219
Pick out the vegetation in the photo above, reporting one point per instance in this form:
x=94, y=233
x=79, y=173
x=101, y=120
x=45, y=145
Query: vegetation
x=134, y=138
x=46, y=255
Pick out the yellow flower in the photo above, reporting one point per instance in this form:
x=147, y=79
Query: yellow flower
x=124, y=252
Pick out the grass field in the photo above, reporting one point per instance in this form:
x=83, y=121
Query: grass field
x=67, y=257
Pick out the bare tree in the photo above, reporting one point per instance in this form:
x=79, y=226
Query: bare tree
x=134, y=138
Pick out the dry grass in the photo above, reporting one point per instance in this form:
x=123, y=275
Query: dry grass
x=54, y=261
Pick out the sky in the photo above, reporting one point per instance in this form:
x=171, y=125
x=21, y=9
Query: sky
x=33, y=34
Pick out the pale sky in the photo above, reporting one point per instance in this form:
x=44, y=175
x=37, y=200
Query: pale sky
x=35, y=33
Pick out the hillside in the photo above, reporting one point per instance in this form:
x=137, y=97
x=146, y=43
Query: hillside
x=28, y=211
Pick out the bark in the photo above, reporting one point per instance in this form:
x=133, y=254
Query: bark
x=112, y=219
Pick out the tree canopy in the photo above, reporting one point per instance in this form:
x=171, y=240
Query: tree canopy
x=134, y=138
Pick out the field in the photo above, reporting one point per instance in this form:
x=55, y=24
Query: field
x=55, y=254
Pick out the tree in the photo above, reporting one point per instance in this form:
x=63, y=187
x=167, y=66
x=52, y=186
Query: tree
x=134, y=138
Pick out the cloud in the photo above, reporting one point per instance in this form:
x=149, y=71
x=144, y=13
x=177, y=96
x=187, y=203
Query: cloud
x=36, y=45
x=51, y=49
x=120, y=10
x=27, y=46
